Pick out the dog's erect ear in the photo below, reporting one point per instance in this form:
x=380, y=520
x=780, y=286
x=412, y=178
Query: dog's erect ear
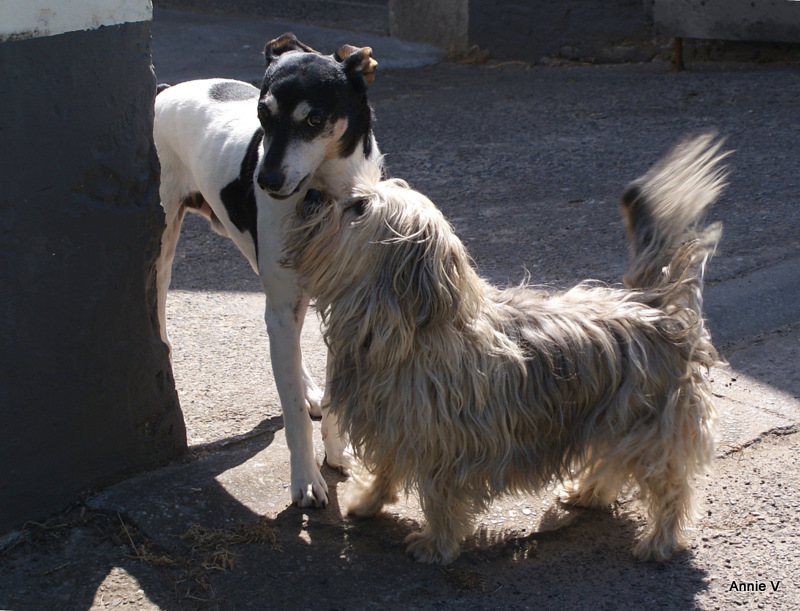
x=280, y=45
x=357, y=60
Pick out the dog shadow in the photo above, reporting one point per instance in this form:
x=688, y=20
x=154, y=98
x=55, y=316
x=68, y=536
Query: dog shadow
x=582, y=558
x=573, y=558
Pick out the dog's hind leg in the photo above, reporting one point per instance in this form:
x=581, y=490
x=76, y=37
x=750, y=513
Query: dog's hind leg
x=174, y=211
x=670, y=503
x=678, y=452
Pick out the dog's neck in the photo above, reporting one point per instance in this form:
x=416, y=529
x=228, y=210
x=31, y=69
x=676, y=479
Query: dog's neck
x=335, y=176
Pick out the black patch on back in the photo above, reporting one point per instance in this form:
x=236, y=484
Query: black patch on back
x=238, y=196
x=639, y=217
x=232, y=91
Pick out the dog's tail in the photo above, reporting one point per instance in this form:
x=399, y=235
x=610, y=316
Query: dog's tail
x=662, y=210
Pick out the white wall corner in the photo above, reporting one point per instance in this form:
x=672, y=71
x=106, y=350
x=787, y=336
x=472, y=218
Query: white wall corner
x=20, y=19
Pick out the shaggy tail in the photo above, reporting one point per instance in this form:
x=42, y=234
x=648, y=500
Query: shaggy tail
x=661, y=211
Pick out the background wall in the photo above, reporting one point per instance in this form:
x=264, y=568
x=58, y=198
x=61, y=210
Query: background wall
x=603, y=30
x=86, y=388
x=764, y=20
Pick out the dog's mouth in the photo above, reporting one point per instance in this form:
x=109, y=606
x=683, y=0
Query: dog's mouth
x=283, y=196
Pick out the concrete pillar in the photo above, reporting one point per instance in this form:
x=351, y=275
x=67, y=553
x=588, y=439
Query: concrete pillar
x=86, y=389
x=443, y=23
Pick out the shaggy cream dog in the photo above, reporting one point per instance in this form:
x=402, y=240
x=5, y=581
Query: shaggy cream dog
x=464, y=391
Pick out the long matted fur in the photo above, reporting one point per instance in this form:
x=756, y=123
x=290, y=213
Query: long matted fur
x=465, y=391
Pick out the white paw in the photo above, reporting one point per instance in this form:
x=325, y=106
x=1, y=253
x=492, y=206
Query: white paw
x=657, y=546
x=314, y=401
x=367, y=506
x=338, y=454
x=309, y=488
x=575, y=495
x=568, y=494
x=340, y=457
x=426, y=547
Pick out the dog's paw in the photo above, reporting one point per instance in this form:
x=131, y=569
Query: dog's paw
x=575, y=497
x=366, y=505
x=310, y=490
x=338, y=454
x=314, y=402
x=655, y=547
x=341, y=459
x=430, y=549
x=364, y=508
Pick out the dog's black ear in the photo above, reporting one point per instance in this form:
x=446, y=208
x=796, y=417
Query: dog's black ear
x=280, y=45
x=357, y=60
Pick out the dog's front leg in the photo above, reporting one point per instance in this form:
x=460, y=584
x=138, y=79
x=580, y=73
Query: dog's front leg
x=285, y=313
x=449, y=519
x=372, y=494
x=308, y=486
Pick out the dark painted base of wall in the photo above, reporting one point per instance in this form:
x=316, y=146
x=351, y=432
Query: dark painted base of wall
x=573, y=29
x=86, y=388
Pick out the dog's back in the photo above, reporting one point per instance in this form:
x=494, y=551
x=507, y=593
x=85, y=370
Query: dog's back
x=195, y=118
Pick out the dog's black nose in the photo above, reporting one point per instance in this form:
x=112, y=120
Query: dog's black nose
x=271, y=181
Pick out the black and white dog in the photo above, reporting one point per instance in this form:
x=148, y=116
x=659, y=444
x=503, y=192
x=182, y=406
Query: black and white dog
x=242, y=158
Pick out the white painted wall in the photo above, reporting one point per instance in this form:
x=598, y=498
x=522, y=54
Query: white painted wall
x=34, y=18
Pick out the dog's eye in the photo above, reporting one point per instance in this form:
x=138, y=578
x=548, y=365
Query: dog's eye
x=357, y=206
x=314, y=119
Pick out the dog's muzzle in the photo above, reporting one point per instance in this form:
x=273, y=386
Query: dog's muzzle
x=273, y=182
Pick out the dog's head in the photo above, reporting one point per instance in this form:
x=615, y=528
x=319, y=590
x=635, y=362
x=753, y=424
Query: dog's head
x=386, y=252
x=313, y=108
